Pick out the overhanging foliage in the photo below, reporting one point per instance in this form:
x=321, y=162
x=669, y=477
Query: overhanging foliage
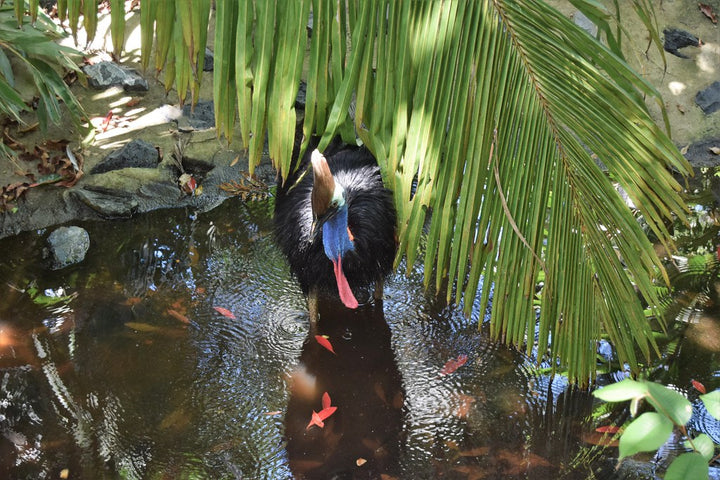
x=487, y=118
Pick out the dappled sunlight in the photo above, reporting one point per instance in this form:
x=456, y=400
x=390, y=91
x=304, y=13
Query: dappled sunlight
x=107, y=94
x=676, y=88
x=709, y=58
x=132, y=121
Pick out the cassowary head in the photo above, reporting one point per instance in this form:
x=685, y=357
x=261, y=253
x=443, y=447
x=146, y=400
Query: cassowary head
x=330, y=213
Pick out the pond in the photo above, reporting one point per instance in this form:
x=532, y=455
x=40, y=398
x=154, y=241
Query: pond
x=181, y=348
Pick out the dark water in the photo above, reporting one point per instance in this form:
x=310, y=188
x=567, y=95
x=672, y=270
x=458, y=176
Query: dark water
x=121, y=367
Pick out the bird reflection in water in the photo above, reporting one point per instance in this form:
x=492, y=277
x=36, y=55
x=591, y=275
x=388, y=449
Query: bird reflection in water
x=361, y=438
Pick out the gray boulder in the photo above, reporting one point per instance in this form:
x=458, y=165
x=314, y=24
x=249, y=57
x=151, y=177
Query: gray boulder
x=137, y=154
x=107, y=74
x=67, y=246
x=709, y=99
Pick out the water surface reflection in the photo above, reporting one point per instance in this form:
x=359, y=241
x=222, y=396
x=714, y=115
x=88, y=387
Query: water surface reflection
x=123, y=367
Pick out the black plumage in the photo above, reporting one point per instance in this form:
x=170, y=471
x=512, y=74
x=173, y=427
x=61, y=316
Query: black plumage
x=371, y=222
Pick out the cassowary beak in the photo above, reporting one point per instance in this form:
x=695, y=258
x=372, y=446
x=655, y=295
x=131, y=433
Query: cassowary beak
x=323, y=184
x=336, y=235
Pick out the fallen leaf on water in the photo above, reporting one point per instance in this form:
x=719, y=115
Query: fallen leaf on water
x=315, y=420
x=608, y=429
x=224, y=312
x=360, y=462
x=698, y=386
x=685, y=149
x=178, y=316
x=142, y=327
x=326, y=412
x=464, y=405
x=708, y=12
x=318, y=418
x=475, y=452
x=600, y=439
x=715, y=150
x=106, y=122
x=133, y=301
x=65, y=473
x=453, y=364
x=275, y=412
x=324, y=342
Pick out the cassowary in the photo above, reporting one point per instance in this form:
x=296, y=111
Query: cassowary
x=336, y=225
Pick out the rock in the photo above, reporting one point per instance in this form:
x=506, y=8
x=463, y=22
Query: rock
x=137, y=153
x=676, y=39
x=585, y=23
x=107, y=74
x=301, y=95
x=201, y=117
x=700, y=154
x=124, y=193
x=108, y=204
x=67, y=246
x=709, y=99
x=209, y=62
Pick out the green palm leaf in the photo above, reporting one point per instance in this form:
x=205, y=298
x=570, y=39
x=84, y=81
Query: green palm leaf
x=487, y=118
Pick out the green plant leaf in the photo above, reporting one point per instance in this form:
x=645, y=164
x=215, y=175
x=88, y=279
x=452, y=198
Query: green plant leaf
x=646, y=433
x=712, y=403
x=6, y=69
x=703, y=445
x=622, y=391
x=670, y=403
x=686, y=466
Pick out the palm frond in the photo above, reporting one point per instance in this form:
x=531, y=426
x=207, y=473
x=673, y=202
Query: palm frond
x=487, y=118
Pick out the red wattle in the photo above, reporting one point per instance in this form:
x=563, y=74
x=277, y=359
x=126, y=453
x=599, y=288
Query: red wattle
x=346, y=294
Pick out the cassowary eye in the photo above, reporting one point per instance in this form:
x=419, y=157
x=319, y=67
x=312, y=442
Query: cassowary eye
x=334, y=204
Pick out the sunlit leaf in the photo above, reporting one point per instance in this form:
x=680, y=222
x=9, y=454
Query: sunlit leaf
x=686, y=466
x=117, y=26
x=669, y=402
x=624, y=390
x=712, y=403
x=646, y=433
x=703, y=444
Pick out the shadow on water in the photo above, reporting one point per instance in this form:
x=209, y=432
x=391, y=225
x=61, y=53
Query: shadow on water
x=361, y=438
x=181, y=348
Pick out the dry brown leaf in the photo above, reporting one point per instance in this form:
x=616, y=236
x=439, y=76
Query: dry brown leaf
x=708, y=12
x=178, y=316
x=715, y=150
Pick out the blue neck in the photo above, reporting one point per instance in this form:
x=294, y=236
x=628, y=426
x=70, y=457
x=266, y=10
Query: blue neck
x=335, y=235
